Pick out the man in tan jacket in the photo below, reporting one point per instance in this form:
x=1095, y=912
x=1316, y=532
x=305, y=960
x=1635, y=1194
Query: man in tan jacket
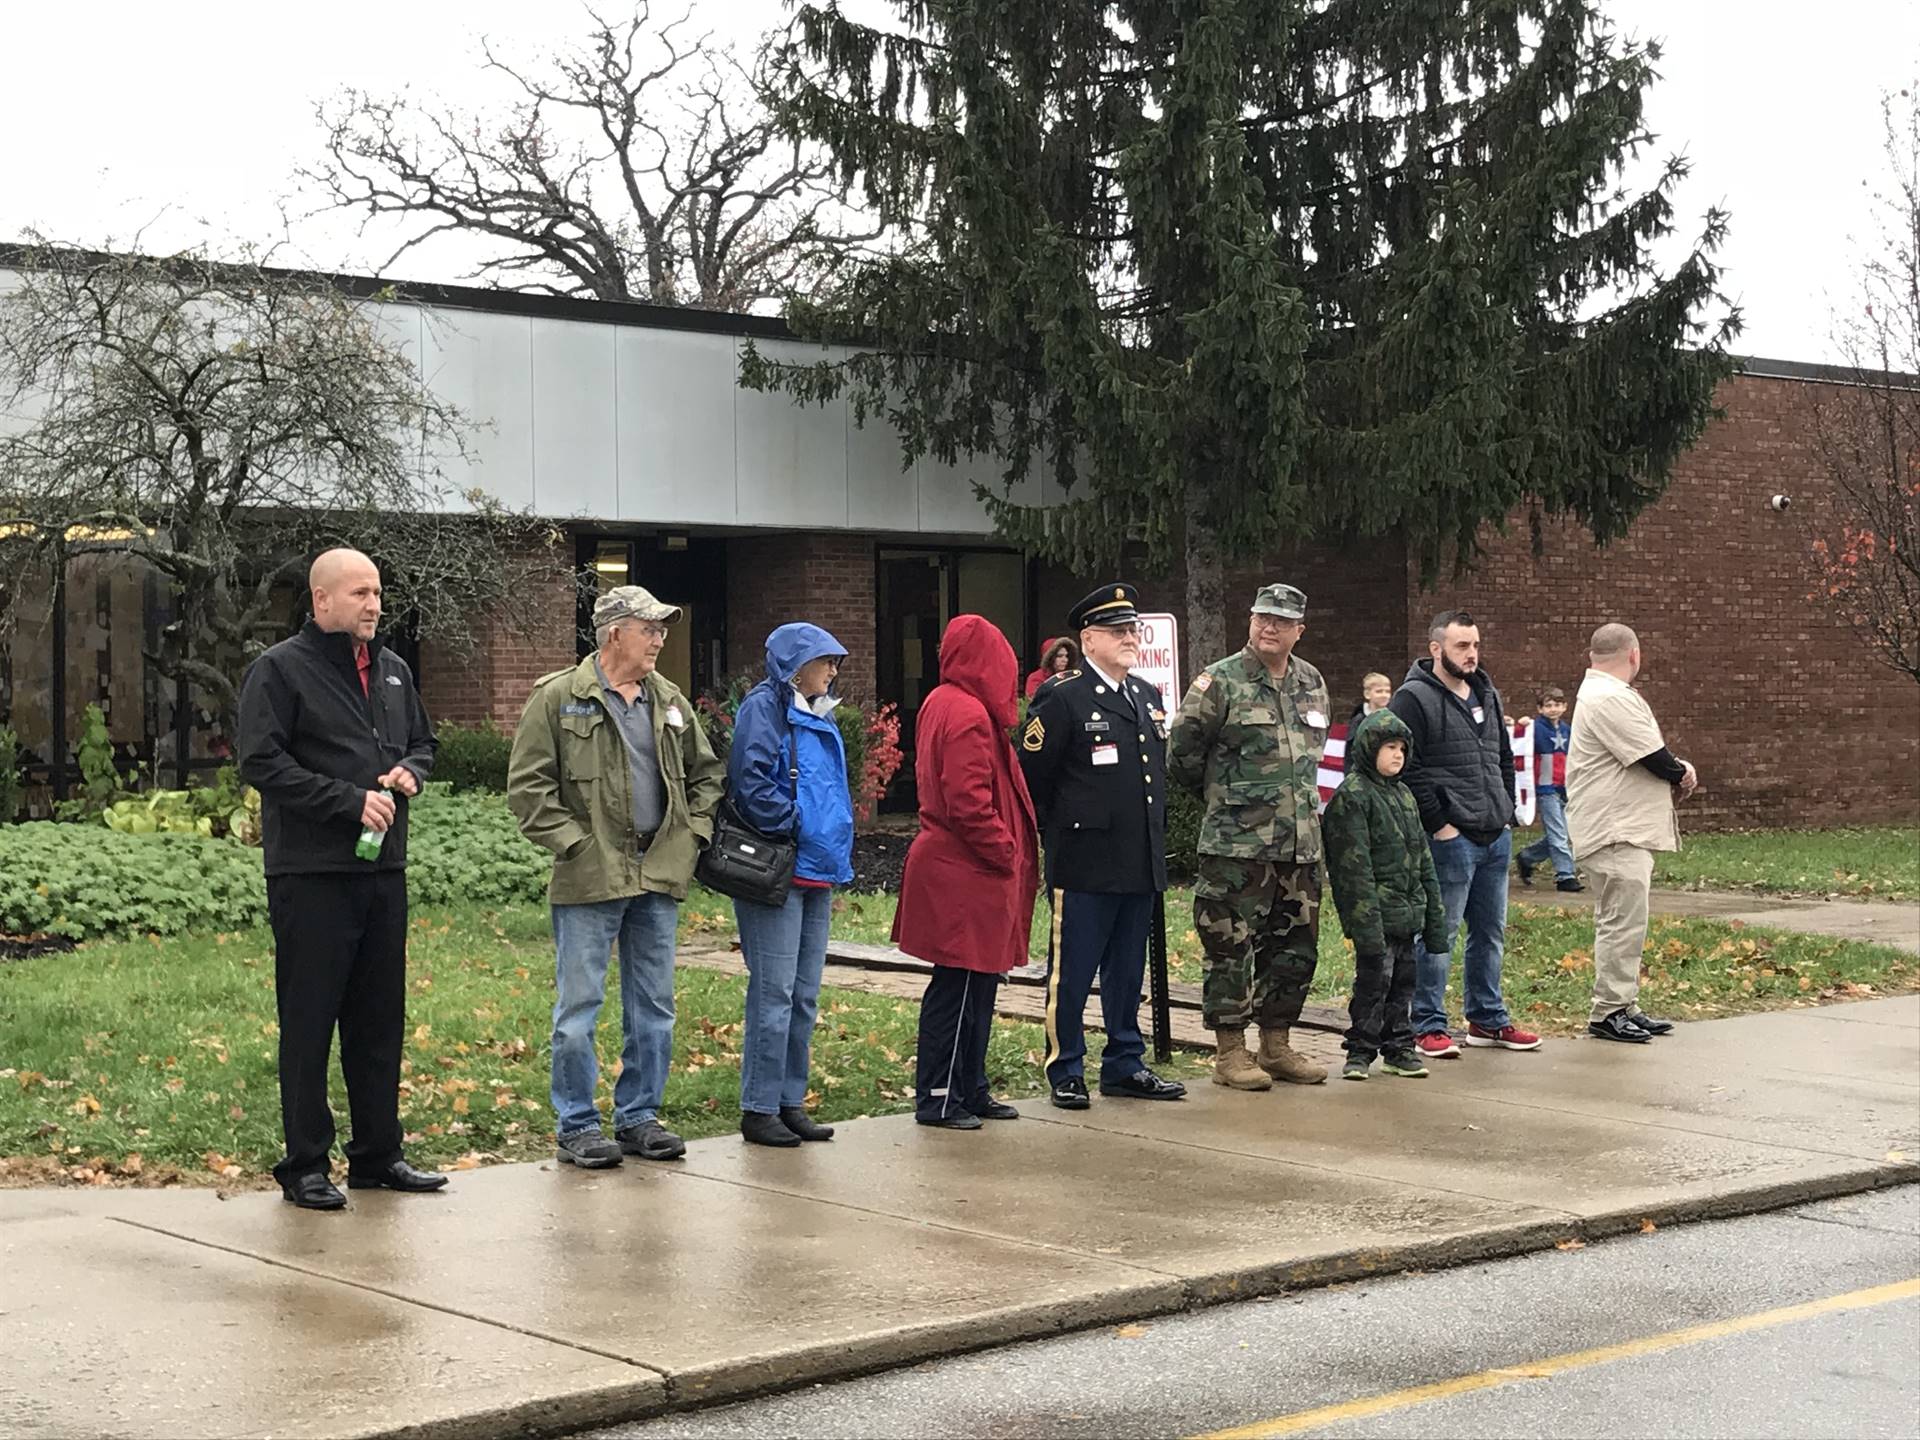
x=1621, y=787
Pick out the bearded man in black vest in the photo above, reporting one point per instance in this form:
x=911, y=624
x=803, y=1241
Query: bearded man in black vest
x=1461, y=773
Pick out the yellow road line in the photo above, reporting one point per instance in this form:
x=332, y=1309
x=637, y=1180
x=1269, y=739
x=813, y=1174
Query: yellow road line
x=1560, y=1364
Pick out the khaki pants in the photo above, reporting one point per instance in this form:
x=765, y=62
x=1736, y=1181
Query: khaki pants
x=1625, y=877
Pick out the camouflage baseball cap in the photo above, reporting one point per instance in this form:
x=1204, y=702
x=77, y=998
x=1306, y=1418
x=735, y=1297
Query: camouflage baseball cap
x=630, y=602
x=1282, y=600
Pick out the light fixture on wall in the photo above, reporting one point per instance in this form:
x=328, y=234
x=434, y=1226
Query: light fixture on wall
x=673, y=542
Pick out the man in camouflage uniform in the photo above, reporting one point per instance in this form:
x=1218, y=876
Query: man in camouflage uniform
x=1248, y=740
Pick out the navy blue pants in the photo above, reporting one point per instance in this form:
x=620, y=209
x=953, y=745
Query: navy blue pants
x=1104, y=935
x=956, y=1021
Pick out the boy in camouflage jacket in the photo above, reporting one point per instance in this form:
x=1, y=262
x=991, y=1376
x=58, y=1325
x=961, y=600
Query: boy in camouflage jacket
x=1384, y=883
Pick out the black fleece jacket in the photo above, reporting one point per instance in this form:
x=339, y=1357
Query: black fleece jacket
x=1460, y=771
x=313, y=744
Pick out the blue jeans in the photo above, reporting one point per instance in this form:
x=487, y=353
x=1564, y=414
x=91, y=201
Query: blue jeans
x=1553, y=819
x=786, y=950
x=1473, y=887
x=582, y=937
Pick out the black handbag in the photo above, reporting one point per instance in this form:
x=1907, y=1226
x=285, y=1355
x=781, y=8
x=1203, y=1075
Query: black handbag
x=743, y=863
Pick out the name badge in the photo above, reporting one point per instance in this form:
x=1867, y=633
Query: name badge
x=675, y=718
x=1106, y=754
x=1479, y=714
x=579, y=707
x=1315, y=720
x=1096, y=726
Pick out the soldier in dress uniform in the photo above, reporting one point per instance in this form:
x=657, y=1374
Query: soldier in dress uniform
x=1094, y=753
x=1248, y=740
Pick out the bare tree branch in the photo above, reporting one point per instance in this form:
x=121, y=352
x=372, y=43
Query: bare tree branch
x=642, y=165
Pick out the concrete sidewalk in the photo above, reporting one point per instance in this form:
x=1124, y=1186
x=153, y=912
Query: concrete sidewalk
x=1879, y=922
x=536, y=1297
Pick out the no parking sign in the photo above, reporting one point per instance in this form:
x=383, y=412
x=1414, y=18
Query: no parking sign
x=1159, y=662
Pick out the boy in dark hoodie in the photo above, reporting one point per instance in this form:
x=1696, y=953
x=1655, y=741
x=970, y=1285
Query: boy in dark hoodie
x=1385, y=885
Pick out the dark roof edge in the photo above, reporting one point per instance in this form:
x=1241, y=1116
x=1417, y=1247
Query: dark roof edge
x=1765, y=369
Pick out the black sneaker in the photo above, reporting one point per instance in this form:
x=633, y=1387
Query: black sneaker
x=1618, y=1026
x=997, y=1110
x=1526, y=871
x=1143, y=1084
x=1571, y=885
x=588, y=1149
x=651, y=1140
x=1647, y=1023
x=1070, y=1093
x=952, y=1120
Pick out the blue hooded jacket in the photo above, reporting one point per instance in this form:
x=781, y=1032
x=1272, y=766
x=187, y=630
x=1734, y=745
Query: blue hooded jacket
x=787, y=771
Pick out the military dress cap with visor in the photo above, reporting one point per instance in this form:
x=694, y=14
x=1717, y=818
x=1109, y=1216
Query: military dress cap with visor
x=1281, y=600
x=1114, y=604
x=631, y=602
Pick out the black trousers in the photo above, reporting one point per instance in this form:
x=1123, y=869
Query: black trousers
x=1103, y=935
x=1381, y=1010
x=956, y=1021
x=339, y=958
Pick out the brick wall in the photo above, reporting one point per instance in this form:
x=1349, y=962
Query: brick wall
x=824, y=579
x=494, y=680
x=1783, y=712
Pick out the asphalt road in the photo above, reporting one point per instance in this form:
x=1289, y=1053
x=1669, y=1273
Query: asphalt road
x=1826, y=1370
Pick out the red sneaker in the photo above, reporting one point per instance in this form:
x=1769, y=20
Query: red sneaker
x=1437, y=1045
x=1511, y=1038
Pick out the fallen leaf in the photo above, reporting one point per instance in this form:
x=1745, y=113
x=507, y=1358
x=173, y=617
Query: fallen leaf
x=1647, y=1227
x=1569, y=1244
x=1896, y=1155
x=1129, y=1332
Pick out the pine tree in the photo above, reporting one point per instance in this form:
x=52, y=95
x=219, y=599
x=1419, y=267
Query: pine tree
x=1242, y=272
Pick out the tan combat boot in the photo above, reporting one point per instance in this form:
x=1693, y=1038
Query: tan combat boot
x=1283, y=1062
x=1233, y=1066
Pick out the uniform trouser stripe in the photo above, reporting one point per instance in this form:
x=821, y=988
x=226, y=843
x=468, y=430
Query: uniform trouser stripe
x=959, y=1029
x=1057, y=900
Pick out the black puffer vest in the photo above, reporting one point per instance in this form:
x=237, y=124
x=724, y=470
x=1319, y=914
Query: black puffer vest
x=1460, y=772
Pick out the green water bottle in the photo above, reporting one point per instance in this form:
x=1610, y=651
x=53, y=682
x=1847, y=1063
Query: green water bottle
x=367, y=847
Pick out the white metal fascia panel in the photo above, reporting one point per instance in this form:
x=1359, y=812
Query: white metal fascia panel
x=574, y=436
x=792, y=459
x=483, y=363
x=675, y=417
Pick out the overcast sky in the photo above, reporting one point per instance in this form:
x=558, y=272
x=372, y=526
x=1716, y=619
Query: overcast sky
x=120, y=118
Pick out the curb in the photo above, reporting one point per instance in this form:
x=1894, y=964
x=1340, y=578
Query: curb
x=653, y=1394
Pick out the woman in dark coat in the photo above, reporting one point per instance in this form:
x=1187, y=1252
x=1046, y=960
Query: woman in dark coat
x=966, y=901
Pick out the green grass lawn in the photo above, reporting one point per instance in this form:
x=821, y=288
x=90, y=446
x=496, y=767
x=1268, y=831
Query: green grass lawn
x=1879, y=863
x=155, y=1056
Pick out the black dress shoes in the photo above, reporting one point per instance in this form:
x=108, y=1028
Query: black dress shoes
x=312, y=1191
x=1651, y=1025
x=997, y=1110
x=1070, y=1094
x=397, y=1176
x=1619, y=1026
x=1143, y=1084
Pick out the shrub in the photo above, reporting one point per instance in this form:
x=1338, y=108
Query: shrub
x=1185, y=810
x=473, y=757
x=83, y=881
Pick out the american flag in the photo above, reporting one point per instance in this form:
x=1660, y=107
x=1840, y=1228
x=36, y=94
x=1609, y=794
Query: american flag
x=1333, y=768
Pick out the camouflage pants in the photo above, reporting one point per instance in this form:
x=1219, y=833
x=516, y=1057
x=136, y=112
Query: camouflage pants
x=1259, y=924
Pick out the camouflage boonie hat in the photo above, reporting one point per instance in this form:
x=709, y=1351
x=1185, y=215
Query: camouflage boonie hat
x=1282, y=600
x=630, y=602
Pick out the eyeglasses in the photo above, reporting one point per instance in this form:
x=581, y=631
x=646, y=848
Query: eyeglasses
x=1275, y=622
x=652, y=629
x=1127, y=629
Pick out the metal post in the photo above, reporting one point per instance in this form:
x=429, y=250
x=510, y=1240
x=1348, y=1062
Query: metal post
x=1157, y=969
x=57, y=690
x=182, y=732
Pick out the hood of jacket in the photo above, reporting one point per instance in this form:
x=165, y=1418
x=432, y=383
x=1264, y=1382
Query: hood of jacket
x=1421, y=673
x=791, y=646
x=975, y=657
x=1363, y=745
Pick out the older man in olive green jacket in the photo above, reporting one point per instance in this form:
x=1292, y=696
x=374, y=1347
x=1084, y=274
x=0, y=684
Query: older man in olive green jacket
x=612, y=773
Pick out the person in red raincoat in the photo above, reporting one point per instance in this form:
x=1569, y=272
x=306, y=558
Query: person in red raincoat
x=966, y=901
x=1056, y=656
